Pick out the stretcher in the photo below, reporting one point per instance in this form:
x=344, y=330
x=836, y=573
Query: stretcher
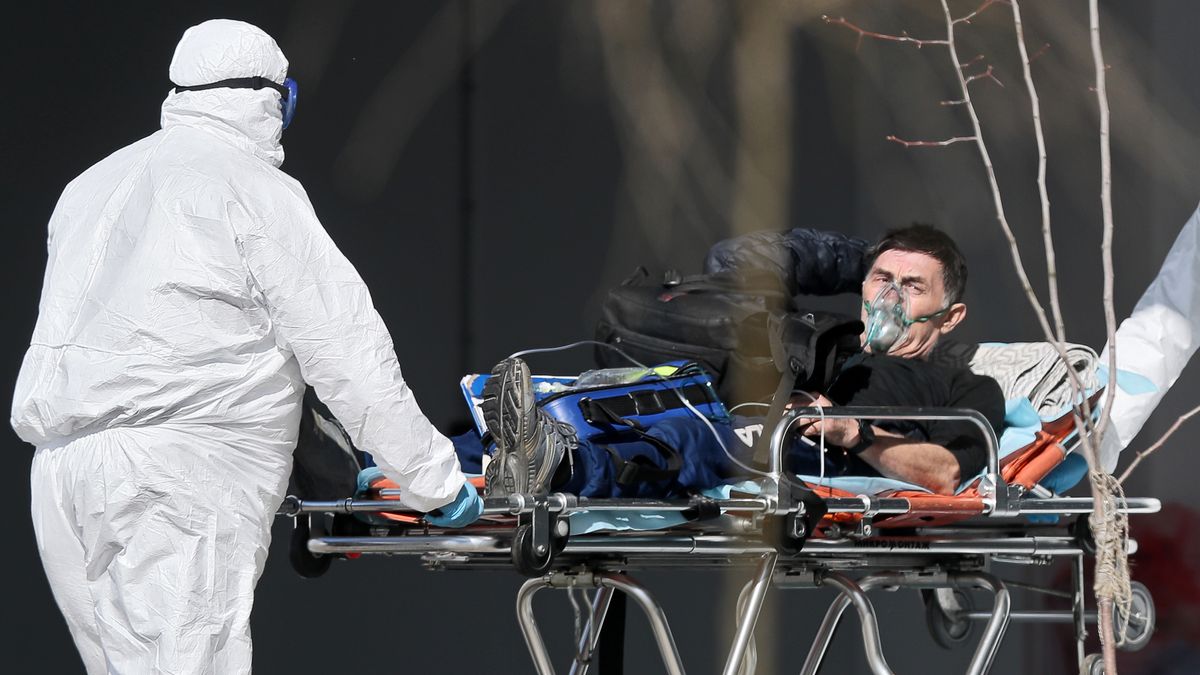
x=851, y=540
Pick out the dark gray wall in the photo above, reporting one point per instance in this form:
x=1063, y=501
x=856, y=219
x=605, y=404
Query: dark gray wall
x=489, y=212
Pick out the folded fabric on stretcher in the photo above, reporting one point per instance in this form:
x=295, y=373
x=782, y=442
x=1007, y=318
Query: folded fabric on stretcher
x=1029, y=370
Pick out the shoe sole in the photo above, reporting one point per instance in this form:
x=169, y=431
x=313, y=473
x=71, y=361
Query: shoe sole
x=506, y=413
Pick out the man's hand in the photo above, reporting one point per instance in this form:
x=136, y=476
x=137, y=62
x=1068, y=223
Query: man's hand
x=840, y=432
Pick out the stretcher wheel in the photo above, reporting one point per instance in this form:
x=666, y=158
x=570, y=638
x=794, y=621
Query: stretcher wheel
x=1141, y=619
x=528, y=561
x=1093, y=664
x=1082, y=531
x=949, y=629
x=303, y=561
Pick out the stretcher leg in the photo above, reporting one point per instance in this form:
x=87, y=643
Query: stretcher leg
x=654, y=613
x=749, y=616
x=1078, y=608
x=613, y=582
x=820, y=645
x=850, y=593
x=533, y=637
x=855, y=593
x=989, y=644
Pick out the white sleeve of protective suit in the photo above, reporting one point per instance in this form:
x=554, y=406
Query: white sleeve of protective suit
x=322, y=312
x=1157, y=340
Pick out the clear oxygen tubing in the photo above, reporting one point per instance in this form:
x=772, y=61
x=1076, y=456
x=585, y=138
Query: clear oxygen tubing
x=687, y=404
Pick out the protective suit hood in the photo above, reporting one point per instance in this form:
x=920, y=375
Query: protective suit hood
x=222, y=49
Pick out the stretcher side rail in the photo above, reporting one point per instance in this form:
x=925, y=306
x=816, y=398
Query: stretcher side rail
x=566, y=504
x=579, y=547
x=993, y=490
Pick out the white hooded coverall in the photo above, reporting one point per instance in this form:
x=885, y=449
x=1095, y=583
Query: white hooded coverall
x=190, y=292
x=1157, y=340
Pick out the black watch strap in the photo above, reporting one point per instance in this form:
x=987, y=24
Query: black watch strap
x=866, y=438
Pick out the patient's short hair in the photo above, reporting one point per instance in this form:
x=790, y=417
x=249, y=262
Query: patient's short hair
x=927, y=239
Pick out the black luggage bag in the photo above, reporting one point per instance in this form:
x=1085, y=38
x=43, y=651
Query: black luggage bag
x=724, y=322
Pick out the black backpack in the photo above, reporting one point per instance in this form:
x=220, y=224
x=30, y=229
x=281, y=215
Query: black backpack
x=728, y=324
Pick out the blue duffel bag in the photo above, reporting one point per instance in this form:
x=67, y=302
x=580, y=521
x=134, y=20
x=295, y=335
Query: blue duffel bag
x=601, y=412
x=641, y=438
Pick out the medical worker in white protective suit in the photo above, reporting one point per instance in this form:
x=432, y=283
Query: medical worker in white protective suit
x=190, y=293
x=1157, y=340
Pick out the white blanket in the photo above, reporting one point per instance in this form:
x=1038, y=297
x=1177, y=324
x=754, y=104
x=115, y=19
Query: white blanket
x=1032, y=370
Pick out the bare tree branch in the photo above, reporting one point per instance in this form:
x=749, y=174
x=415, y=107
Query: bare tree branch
x=1112, y=564
x=864, y=33
x=979, y=10
x=930, y=144
x=1110, y=318
x=1039, y=53
x=988, y=74
x=985, y=156
x=1043, y=194
x=978, y=58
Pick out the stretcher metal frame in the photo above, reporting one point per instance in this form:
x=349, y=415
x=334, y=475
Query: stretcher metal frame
x=770, y=533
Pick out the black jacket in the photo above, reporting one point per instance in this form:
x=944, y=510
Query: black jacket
x=807, y=262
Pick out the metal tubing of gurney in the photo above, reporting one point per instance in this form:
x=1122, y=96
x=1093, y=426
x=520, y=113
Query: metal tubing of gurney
x=996, y=502
x=653, y=612
x=749, y=616
x=1074, y=505
x=559, y=502
x=730, y=545
x=533, y=636
x=1079, y=608
x=989, y=644
x=619, y=582
x=850, y=592
x=294, y=506
x=749, y=504
x=713, y=545
x=914, y=414
x=1033, y=616
x=414, y=545
x=492, y=506
x=519, y=504
x=985, y=652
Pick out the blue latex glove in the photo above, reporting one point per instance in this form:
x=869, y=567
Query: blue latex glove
x=464, y=510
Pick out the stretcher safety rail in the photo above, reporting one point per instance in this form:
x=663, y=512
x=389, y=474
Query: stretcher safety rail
x=847, y=546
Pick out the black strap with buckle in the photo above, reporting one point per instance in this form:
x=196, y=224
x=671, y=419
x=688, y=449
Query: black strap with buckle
x=635, y=470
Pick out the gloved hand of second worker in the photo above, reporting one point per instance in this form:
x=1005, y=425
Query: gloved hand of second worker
x=464, y=510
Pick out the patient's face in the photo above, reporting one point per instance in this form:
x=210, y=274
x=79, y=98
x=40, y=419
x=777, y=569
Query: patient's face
x=920, y=276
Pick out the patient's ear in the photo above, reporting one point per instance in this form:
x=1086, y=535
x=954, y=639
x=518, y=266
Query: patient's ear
x=954, y=316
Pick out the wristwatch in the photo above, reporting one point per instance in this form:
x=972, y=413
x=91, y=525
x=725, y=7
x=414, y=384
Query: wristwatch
x=866, y=438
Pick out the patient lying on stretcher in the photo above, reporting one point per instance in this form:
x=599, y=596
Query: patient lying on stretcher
x=912, y=297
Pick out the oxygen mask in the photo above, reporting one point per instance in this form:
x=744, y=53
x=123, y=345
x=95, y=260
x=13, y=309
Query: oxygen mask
x=886, y=318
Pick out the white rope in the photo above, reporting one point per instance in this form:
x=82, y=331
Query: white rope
x=1111, y=534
